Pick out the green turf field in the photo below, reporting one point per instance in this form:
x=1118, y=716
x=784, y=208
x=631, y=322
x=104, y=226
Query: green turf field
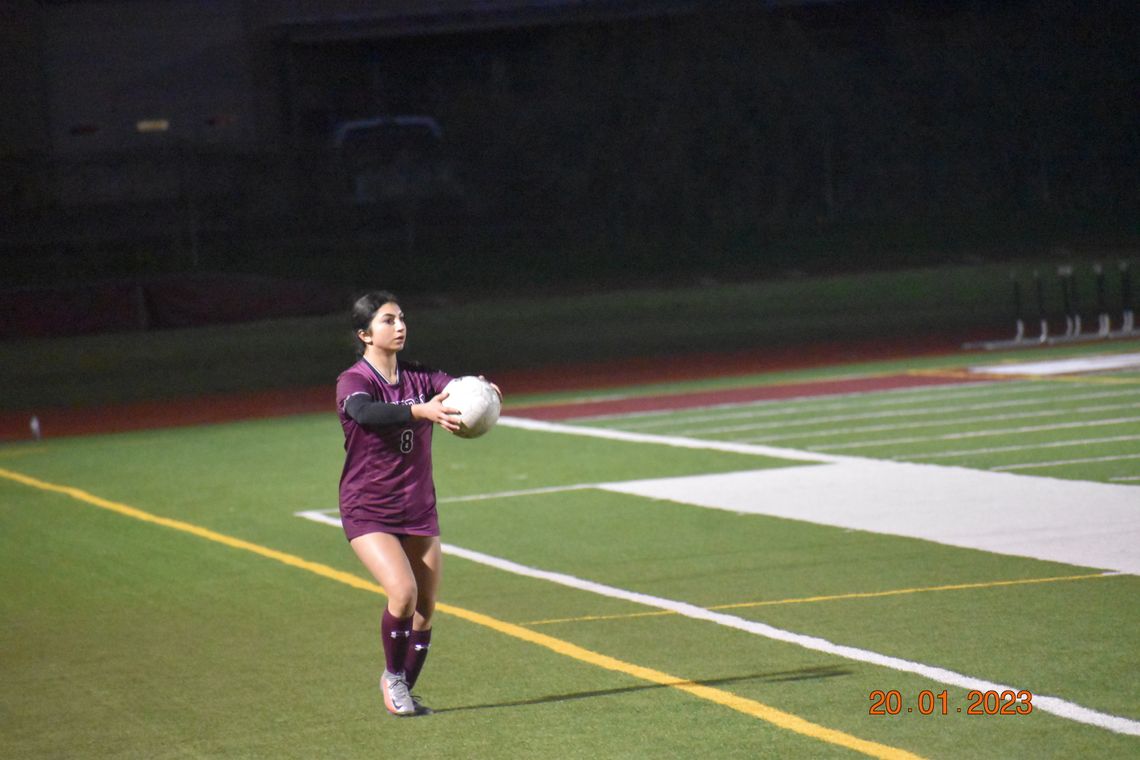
x=164, y=600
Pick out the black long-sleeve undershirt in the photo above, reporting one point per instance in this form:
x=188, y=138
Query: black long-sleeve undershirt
x=377, y=413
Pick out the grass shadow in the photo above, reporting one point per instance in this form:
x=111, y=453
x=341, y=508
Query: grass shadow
x=801, y=674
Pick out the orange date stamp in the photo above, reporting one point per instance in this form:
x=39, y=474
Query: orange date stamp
x=927, y=702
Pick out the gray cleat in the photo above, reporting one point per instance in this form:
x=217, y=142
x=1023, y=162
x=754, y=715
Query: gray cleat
x=421, y=708
x=397, y=698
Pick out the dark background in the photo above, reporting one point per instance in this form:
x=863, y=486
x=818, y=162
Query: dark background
x=583, y=144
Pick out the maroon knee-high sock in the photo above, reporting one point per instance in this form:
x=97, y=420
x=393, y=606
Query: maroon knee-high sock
x=396, y=632
x=418, y=644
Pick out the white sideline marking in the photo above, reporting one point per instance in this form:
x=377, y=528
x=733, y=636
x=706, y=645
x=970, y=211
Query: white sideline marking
x=1063, y=462
x=832, y=401
x=755, y=423
x=522, y=492
x=1053, y=705
x=1020, y=447
x=1064, y=366
x=901, y=397
x=332, y=516
x=326, y=516
x=1074, y=522
x=940, y=422
x=668, y=440
x=984, y=433
x=696, y=426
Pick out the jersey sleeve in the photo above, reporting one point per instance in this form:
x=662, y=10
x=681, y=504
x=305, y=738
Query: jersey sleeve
x=351, y=384
x=439, y=381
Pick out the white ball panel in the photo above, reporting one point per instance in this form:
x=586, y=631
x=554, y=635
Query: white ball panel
x=477, y=402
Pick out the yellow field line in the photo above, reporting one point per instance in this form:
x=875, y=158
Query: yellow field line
x=744, y=705
x=185, y=527
x=833, y=597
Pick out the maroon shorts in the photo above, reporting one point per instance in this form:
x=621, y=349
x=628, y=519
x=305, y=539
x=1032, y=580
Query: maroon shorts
x=360, y=520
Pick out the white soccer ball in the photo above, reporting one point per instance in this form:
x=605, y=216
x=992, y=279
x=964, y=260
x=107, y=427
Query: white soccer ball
x=477, y=402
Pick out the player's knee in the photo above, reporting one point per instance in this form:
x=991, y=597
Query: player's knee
x=425, y=608
x=402, y=598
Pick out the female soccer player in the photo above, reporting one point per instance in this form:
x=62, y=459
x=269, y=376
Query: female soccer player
x=387, y=408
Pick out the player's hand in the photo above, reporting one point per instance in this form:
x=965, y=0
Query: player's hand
x=493, y=386
x=436, y=412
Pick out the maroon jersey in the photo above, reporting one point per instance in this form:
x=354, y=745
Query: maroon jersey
x=386, y=484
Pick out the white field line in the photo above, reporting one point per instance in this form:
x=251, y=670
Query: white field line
x=522, y=492
x=1053, y=705
x=674, y=441
x=325, y=516
x=1022, y=502
x=1063, y=462
x=856, y=430
x=981, y=434
x=932, y=405
x=1022, y=447
x=792, y=405
x=696, y=427
x=831, y=402
x=331, y=516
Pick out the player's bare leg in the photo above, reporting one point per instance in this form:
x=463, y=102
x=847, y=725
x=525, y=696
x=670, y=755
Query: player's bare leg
x=385, y=558
x=425, y=557
x=383, y=555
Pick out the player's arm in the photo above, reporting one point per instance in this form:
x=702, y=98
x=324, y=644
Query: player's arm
x=376, y=414
x=437, y=412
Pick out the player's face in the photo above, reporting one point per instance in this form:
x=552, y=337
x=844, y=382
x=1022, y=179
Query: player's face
x=387, y=330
